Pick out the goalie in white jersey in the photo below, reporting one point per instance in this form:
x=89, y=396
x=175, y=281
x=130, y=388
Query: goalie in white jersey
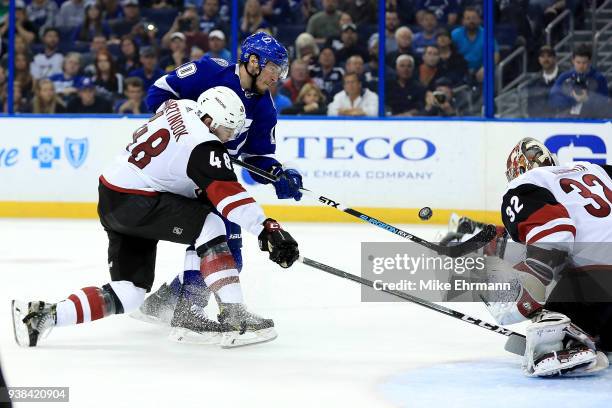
x=170, y=184
x=564, y=216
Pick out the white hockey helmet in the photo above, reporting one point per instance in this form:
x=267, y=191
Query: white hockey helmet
x=526, y=155
x=224, y=108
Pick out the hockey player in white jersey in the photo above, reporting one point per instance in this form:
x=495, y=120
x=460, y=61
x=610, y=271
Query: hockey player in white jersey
x=170, y=184
x=564, y=216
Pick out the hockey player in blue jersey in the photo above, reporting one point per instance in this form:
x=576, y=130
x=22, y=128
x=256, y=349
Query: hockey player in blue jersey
x=263, y=62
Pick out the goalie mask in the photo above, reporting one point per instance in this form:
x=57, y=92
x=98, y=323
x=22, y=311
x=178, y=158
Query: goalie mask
x=526, y=155
x=224, y=107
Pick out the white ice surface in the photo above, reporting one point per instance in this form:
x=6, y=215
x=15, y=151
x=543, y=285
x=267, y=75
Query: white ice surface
x=332, y=351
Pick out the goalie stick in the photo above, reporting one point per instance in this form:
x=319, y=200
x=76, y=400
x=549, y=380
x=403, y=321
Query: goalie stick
x=477, y=241
x=515, y=344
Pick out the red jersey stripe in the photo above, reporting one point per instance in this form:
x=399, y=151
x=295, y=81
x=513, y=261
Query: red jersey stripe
x=222, y=282
x=79, y=308
x=540, y=217
x=228, y=208
x=557, y=228
x=218, y=190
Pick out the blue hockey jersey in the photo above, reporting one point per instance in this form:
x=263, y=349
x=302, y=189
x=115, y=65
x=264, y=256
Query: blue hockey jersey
x=257, y=140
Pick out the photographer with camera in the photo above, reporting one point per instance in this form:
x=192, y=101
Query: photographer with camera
x=188, y=23
x=581, y=92
x=440, y=102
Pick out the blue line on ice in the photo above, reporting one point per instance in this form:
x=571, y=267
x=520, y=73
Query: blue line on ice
x=495, y=383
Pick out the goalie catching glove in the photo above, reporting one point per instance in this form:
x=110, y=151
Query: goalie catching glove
x=282, y=247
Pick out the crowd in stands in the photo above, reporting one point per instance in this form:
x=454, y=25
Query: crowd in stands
x=82, y=56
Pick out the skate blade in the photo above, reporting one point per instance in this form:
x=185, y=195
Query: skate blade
x=235, y=339
x=580, y=366
x=138, y=315
x=601, y=363
x=19, y=310
x=182, y=335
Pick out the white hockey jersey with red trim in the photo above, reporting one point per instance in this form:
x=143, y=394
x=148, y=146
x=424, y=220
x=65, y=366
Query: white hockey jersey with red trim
x=568, y=207
x=175, y=152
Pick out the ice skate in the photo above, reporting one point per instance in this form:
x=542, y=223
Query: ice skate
x=190, y=324
x=158, y=308
x=32, y=321
x=244, y=327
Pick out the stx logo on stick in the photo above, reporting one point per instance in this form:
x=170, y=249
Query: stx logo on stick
x=329, y=202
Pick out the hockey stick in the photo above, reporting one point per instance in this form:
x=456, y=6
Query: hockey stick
x=477, y=241
x=515, y=343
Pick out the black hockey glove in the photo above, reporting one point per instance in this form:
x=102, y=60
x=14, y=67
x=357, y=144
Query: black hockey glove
x=282, y=247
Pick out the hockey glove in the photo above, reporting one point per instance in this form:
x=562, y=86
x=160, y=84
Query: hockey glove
x=282, y=247
x=288, y=184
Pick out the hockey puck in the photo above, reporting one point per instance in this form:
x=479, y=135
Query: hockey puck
x=425, y=213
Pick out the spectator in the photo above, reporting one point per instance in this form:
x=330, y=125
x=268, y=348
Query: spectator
x=210, y=19
x=71, y=14
x=391, y=26
x=111, y=9
x=23, y=75
x=362, y=11
x=134, y=102
x=310, y=101
x=280, y=101
x=216, y=46
x=353, y=100
x=277, y=11
x=177, y=55
x=20, y=104
x=187, y=23
x=326, y=75
x=440, y=102
x=355, y=65
x=252, y=18
x=45, y=100
x=298, y=77
x=469, y=40
x=428, y=70
x=405, y=10
x=129, y=19
x=403, y=37
x=308, y=8
x=196, y=53
x=149, y=73
x=349, y=45
x=306, y=48
x=49, y=62
x=88, y=59
x=405, y=95
x=542, y=12
x=23, y=27
x=427, y=35
x=88, y=101
x=92, y=25
x=539, y=89
x=325, y=24
x=42, y=13
x=446, y=11
x=69, y=80
x=452, y=64
x=108, y=81
x=128, y=58
x=583, y=91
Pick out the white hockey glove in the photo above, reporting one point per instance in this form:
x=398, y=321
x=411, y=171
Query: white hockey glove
x=556, y=346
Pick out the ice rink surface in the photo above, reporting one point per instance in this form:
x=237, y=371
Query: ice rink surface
x=332, y=351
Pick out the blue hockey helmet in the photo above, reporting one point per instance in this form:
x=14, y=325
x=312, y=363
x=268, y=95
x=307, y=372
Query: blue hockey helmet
x=267, y=49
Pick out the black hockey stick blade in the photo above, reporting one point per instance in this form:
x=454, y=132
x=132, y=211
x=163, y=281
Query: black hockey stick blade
x=516, y=344
x=476, y=242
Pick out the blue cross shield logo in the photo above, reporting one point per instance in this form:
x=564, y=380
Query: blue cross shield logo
x=76, y=151
x=45, y=152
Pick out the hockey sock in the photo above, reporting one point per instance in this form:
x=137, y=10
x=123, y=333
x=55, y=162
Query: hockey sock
x=218, y=269
x=88, y=304
x=191, y=273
